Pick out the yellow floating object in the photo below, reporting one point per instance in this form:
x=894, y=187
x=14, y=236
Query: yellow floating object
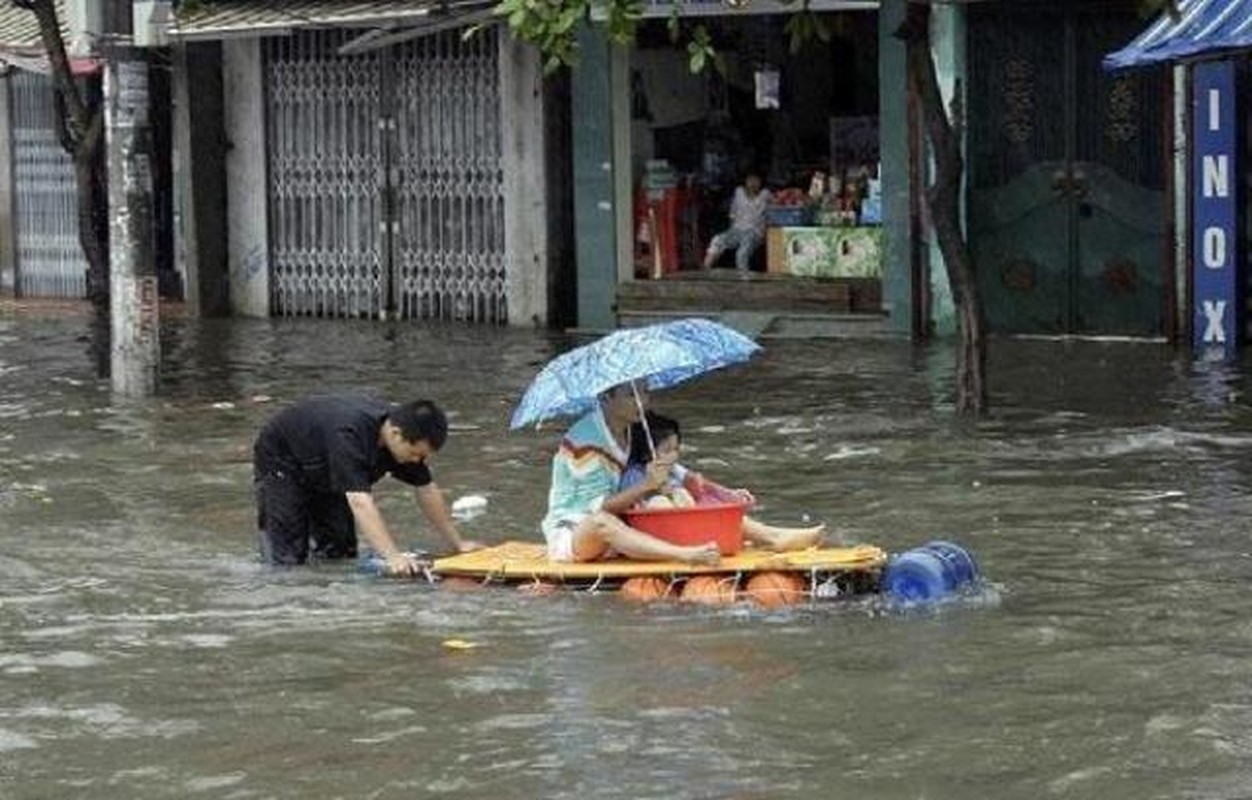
x=459, y=644
x=528, y=560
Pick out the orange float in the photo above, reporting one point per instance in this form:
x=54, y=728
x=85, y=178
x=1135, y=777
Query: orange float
x=537, y=588
x=458, y=583
x=776, y=589
x=709, y=590
x=645, y=589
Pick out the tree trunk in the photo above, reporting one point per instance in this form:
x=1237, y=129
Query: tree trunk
x=943, y=201
x=92, y=224
x=93, y=242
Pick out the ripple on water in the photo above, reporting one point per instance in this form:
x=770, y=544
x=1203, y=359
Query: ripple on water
x=516, y=722
x=12, y=740
x=488, y=684
x=105, y=720
x=70, y=659
x=851, y=451
x=208, y=783
x=206, y=640
x=389, y=736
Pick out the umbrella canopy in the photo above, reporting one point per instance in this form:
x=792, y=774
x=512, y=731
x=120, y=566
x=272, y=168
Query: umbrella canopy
x=658, y=356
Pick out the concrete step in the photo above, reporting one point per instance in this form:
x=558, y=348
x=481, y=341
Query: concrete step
x=777, y=324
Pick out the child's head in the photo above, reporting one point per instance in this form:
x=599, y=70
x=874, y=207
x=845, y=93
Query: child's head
x=665, y=437
x=752, y=182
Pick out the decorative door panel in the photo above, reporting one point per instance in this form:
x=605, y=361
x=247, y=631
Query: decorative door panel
x=1118, y=187
x=1067, y=167
x=50, y=260
x=1018, y=215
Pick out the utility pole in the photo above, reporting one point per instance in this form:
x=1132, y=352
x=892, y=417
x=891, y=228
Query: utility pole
x=136, y=350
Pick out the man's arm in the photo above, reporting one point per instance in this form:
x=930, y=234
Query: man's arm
x=370, y=521
x=431, y=501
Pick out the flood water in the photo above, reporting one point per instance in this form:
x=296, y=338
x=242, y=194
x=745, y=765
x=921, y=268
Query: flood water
x=144, y=653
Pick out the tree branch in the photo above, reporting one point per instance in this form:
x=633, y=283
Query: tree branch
x=75, y=111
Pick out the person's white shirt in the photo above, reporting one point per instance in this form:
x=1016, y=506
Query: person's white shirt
x=748, y=213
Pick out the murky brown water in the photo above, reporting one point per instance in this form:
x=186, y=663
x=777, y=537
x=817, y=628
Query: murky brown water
x=145, y=654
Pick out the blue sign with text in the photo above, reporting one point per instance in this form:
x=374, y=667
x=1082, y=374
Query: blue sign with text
x=1214, y=229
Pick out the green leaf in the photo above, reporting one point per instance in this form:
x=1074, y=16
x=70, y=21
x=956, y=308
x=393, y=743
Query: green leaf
x=697, y=62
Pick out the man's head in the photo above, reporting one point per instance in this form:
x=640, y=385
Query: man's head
x=752, y=183
x=414, y=431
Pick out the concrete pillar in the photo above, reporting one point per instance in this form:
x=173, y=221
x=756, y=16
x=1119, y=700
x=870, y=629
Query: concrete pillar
x=525, y=182
x=595, y=220
x=623, y=177
x=1181, y=77
x=135, y=351
x=246, y=178
x=897, y=223
x=200, y=178
x=8, y=224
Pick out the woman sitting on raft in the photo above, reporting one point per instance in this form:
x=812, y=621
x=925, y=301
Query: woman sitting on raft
x=685, y=488
x=582, y=523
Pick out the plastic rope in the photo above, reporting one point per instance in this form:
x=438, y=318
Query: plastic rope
x=595, y=586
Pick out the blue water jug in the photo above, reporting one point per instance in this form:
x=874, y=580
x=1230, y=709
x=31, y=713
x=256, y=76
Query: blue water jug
x=959, y=560
x=930, y=572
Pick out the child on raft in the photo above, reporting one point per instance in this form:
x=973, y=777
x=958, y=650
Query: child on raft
x=685, y=488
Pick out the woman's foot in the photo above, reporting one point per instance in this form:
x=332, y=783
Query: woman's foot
x=787, y=539
x=701, y=554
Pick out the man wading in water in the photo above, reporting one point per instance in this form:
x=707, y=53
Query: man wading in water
x=315, y=465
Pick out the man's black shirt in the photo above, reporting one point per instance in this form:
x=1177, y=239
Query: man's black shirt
x=330, y=444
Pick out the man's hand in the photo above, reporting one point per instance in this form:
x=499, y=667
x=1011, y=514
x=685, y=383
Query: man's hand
x=402, y=565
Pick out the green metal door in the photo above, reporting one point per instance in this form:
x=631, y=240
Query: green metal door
x=1067, y=168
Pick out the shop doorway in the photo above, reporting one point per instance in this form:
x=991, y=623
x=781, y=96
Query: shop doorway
x=785, y=114
x=1067, y=172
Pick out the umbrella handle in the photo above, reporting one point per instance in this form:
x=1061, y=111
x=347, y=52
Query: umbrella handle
x=643, y=420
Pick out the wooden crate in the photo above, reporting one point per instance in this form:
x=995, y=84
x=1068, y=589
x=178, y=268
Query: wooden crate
x=775, y=252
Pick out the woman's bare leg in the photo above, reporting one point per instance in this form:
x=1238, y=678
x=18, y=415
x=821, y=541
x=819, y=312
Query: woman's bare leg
x=780, y=538
x=597, y=533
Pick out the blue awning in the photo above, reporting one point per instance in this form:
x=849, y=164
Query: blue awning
x=1202, y=28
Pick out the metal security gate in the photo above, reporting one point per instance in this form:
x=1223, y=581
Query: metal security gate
x=50, y=261
x=385, y=178
x=449, y=182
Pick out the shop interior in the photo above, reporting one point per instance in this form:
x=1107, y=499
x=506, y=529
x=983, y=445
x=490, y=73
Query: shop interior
x=804, y=120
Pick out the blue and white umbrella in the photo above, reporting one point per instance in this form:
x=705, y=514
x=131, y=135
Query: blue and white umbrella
x=656, y=356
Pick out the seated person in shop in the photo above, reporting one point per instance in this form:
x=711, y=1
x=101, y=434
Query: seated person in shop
x=747, y=224
x=684, y=488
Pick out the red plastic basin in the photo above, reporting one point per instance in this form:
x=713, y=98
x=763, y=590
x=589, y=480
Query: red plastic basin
x=717, y=522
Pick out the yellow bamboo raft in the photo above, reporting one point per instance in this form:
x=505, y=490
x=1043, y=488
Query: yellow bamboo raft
x=845, y=570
